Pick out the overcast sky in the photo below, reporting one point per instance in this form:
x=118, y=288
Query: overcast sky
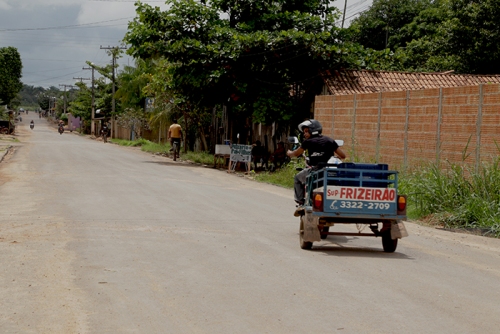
x=56, y=37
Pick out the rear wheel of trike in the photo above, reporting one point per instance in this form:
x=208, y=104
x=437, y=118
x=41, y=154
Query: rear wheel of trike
x=326, y=229
x=388, y=243
x=303, y=244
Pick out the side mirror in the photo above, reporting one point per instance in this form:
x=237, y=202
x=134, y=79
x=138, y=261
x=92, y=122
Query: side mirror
x=339, y=142
x=293, y=140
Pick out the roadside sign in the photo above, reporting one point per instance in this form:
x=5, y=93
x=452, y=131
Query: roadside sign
x=240, y=153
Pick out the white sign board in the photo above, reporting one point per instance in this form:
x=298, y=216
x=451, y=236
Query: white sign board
x=222, y=149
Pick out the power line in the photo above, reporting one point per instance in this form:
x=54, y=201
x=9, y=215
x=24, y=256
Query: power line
x=122, y=1
x=70, y=26
x=58, y=60
x=61, y=76
x=51, y=70
x=357, y=3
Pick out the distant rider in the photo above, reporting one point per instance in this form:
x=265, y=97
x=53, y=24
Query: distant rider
x=175, y=134
x=104, y=132
x=61, y=126
x=319, y=148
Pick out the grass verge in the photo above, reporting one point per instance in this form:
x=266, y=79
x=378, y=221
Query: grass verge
x=148, y=146
x=282, y=177
x=458, y=197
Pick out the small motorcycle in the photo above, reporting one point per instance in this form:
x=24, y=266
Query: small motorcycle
x=104, y=134
x=61, y=129
x=32, y=125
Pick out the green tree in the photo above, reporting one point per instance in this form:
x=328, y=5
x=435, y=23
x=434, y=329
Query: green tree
x=132, y=81
x=246, y=54
x=424, y=44
x=80, y=103
x=29, y=95
x=81, y=106
x=134, y=119
x=380, y=26
x=456, y=35
x=195, y=119
x=474, y=33
x=10, y=74
x=47, y=97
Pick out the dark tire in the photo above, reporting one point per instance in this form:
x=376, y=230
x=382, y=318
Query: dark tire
x=326, y=229
x=303, y=244
x=388, y=243
x=175, y=151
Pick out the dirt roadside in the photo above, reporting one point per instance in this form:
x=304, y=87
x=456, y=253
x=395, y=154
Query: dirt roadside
x=39, y=293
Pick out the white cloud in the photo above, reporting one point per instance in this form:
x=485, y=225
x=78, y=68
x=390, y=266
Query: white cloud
x=4, y=5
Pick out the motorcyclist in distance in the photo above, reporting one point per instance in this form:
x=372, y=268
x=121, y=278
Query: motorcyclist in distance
x=319, y=149
x=104, y=132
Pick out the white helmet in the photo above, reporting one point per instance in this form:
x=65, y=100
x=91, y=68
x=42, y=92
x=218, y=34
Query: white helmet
x=314, y=126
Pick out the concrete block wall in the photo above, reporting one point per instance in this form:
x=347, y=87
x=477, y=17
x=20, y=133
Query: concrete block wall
x=456, y=124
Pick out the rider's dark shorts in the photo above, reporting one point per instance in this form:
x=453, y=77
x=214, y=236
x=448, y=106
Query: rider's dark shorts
x=176, y=140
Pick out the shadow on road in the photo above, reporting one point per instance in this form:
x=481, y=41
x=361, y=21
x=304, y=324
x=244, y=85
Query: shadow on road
x=178, y=164
x=336, y=246
x=338, y=250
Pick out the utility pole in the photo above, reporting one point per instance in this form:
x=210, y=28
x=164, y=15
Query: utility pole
x=114, y=52
x=81, y=79
x=65, y=98
x=343, y=15
x=92, y=125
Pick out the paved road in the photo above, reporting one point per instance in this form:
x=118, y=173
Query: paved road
x=97, y=238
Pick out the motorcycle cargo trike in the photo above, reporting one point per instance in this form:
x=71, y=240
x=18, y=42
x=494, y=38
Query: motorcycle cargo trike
x=353, y=193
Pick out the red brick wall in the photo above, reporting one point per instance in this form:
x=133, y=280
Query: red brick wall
x=414, y=127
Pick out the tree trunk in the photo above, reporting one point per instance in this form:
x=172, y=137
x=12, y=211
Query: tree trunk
x=203, y=139
x=185, y=131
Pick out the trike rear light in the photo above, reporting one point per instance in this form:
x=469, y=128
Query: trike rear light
x=401, y=204
x=318, y=202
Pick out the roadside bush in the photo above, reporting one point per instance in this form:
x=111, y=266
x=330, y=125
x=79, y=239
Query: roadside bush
x=283, y=176
x=458, y=197
x=133, y=143
x=148, y=146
